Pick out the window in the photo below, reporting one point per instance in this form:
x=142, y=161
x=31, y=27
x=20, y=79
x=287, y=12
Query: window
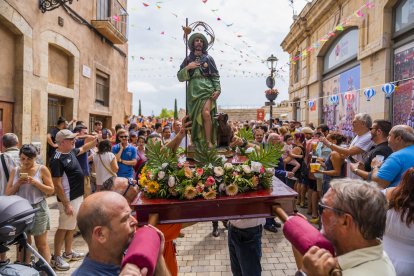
x=404, y=15
x=343, y=50
x=103, y=9
x=102, y=88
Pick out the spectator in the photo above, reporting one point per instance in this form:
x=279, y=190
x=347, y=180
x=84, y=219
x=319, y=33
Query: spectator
x=133, y=138
x=259, y=137
x=379, y=132
x=83, y=138
x=166, y=135
x=157, y=128
x=353, y=218
x=105, y=163
x=334, y=165
x=142, y=159
x=51, y=136
x=33, y=182
x=107, y=226
x=298, y=152
x=97, y=127
x=125, y=154
x=360, y=144
x=399, y=233
x=67, y=177
x=401, y=141
x=274, y=139
x=9, y=160
x=292, y=128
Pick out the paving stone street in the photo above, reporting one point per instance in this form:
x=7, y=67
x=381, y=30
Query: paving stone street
x=198, y=252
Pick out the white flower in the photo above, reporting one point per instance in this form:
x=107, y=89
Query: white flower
x=256, y=166
x=218, y=171
x=171, y=181
x=228, y=166
x=246, y=169
x=161, y=175
x=249, y=150
x=270, y=171
x=210, y=166
x=164, y=165
x=224, y=158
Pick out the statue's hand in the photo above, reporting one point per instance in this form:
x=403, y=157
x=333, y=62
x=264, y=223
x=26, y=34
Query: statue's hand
x=215, y=95
x=193, y=65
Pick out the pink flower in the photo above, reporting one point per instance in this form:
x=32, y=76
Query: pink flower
x=200, y=171
x=210, y=181
x=262, y=169
x=180, y=165
x=200, y=187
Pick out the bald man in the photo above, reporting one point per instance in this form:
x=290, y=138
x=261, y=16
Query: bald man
x=107, y=226
x=123, y=186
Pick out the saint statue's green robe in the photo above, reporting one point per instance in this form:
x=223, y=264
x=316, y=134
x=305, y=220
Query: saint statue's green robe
x=200, y=89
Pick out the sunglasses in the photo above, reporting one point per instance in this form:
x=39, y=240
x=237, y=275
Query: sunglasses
x=123, y=137
x=322, y=207
x=130, y=184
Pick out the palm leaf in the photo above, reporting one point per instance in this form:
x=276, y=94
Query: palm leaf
x=267, y=156
x=158, y=155
x=205, y=156
x=246, y=134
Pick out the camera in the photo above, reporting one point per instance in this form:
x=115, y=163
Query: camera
x=23, y=175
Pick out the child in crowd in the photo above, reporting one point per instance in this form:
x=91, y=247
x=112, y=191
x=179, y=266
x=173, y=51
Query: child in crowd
x=287, y=148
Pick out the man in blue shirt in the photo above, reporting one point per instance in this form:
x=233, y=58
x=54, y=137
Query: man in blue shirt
x=107, y=226
x=125, y=154
x=401, y=141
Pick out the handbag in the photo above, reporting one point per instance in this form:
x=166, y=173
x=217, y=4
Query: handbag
x=106, y=168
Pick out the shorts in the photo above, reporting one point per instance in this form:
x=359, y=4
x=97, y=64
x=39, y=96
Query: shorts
x=69, y=222
x=41, y=219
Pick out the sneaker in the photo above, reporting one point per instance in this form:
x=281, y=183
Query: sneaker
x=74, y=256
x=277, y=224
x=59, y=264
x=270, y=228
x=314, y=220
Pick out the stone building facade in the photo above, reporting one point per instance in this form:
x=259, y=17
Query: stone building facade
x=70, y=61
x=374, y=47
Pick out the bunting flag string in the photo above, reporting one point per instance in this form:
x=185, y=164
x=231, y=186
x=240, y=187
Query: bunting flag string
x=388, y=88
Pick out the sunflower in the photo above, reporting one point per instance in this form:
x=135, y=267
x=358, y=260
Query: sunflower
x=153, y=187
x=190, y=192
x=211, y=194
x=232, y=189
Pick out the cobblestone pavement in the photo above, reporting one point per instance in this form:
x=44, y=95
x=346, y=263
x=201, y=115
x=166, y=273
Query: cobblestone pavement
x=198, y=253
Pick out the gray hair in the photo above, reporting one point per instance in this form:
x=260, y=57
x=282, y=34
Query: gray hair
x=405, y=132
x=108, y=184
x=364, y=202
x=10, y=140
x=365, y=118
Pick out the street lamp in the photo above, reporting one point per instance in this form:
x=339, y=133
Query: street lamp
x=271, y=94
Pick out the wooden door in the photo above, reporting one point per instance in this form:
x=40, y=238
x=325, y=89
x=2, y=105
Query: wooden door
x=6, y=120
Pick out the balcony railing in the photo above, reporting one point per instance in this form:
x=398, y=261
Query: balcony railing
x=111, y=21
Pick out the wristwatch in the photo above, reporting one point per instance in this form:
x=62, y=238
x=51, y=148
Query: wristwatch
x=355, y=171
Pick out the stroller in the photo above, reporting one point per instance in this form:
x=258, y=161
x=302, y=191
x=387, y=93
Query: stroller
x=16, y=217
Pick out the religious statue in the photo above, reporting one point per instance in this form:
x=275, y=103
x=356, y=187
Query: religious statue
x=200, y=70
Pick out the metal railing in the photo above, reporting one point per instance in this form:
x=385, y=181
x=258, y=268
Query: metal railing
x=113, y=11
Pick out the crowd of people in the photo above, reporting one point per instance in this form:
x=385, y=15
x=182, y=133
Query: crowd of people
x=360, y=193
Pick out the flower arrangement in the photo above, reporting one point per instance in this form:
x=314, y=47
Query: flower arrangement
x=271, y=91
x=209, y=179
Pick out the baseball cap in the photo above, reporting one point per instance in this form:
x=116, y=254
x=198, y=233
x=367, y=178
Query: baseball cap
x=64, y=134
x=307, y=130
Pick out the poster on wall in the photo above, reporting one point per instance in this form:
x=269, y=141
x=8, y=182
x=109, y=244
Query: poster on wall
x=338, y=115
x=403, y=99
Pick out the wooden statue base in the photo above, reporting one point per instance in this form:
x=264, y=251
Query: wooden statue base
x=248, y=205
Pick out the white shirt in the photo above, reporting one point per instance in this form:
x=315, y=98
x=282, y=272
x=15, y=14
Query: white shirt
x=366, y=261
x=102, y=174
x=247, y=223
x=399, y=243
x=363, y=142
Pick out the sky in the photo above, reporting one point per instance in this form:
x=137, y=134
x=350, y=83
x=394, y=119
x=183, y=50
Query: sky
x=246, y=33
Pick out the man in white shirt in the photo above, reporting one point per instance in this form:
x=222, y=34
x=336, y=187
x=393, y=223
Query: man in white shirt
x=360, y=145
x=245, y=246
x=353, y=214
